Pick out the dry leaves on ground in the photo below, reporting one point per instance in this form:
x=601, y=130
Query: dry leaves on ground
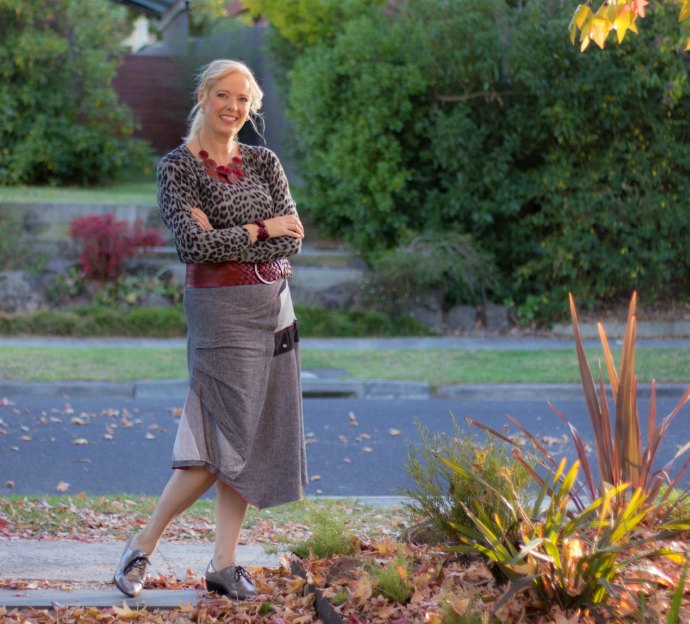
x=442, y=585
x=90, y=519
x=281, y=600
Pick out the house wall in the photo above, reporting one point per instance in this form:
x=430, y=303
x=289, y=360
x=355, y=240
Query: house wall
x=158, y=86
x=154, y=88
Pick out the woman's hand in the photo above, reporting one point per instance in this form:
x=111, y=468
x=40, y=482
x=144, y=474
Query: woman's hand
x=200, y=217
x=288, y=225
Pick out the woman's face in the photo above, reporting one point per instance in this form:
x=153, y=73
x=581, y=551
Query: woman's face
x=226, y=107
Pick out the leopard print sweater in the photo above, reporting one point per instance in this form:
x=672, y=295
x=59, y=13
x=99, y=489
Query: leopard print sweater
x=262, y=193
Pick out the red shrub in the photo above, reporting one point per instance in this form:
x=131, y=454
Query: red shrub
x=108, y=244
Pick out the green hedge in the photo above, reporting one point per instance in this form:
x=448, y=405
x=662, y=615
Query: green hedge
x=61, y=119
x=478, y=117
x=170, y=322
x=98, y=321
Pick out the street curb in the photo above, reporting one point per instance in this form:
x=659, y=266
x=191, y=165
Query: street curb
x=550, y=392
x=104, y=599
x=85, y=389
x=177, y=389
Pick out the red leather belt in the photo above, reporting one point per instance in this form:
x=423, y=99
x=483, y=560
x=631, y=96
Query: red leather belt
x=218, y=274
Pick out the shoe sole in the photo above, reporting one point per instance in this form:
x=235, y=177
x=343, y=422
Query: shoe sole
x=126, y=593
x=219, y=589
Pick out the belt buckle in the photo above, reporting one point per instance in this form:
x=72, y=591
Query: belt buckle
x=261, y=279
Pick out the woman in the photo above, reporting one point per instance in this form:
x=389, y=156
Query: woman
x=229, y=208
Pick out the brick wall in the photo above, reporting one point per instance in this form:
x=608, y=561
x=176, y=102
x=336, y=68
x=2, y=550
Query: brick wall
x=157, y=90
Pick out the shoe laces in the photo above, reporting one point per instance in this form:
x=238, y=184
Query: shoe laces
x=242, y=572
x=139, y=564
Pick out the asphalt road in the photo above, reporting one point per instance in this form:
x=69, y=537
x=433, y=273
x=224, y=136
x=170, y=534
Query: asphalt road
x=355, y=447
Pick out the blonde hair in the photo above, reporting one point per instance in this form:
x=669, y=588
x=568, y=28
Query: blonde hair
x=208, y=77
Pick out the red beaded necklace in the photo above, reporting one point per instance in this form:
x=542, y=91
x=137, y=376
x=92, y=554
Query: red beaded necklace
x=230, y=174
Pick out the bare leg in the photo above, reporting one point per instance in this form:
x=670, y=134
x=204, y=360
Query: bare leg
x=231, y=509
x=181, y=491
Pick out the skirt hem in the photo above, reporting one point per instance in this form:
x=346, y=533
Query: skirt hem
x=184, y=464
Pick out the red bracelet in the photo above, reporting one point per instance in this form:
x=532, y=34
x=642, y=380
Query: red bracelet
x=263, y=230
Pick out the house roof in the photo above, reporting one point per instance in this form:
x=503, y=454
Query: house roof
x=154, y=8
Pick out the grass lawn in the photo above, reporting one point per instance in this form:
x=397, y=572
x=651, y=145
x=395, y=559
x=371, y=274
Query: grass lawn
x=141, y=192
x=436, y=367
x=115, y=516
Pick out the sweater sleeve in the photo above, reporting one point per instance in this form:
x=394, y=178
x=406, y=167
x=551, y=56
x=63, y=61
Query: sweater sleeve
x=283, y=204
x=177, y=194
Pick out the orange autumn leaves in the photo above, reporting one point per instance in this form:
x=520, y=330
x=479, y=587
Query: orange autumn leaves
x=612, y=16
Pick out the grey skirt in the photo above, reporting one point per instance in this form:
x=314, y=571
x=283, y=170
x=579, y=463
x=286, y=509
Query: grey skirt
x=242, y=419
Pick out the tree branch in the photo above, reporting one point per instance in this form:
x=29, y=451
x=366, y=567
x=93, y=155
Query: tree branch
x=489, y=96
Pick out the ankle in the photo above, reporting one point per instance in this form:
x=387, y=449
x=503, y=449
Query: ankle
x=139, y=542
x=220, y=563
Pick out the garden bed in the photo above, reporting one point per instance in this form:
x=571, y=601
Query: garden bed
x=390, y=582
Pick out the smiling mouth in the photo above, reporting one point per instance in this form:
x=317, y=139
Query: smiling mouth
x=228, y=118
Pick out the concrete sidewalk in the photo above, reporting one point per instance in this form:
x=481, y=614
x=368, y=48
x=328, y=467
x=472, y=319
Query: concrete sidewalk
x=94, y=562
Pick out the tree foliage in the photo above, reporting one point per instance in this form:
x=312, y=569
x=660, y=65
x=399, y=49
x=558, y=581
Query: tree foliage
x=306, y=22
x=62, y=121
x=205, y=16
x=617, y=16
x=478, y=117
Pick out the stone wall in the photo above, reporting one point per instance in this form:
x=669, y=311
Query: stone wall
x=46, y=226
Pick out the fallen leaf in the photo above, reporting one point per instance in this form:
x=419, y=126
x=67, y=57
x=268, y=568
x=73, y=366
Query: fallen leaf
x=9, y=484
x=459, y=605
x=296, y=585
x=316, y=478
x=150, y=436
x=367, y=449
x=362, y=590
x=386, y=612
x=124, y=612
x=80, y=441
x=394, y=432
x=62, y=486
